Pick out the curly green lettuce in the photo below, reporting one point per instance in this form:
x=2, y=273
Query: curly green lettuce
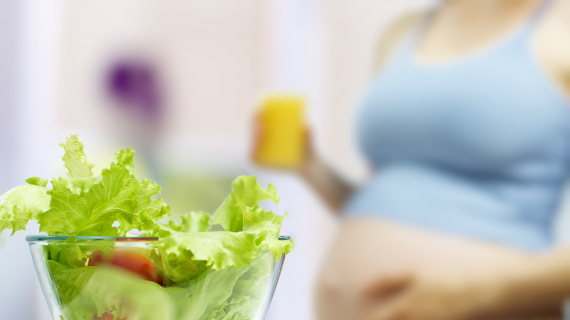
x=207, y=274
x=230, y=293
x=186, y=248
x=86, y=292
x=22, y=204
x=111, y=204
x=246, y=193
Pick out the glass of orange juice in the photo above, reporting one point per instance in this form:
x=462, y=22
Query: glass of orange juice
x=282, y=130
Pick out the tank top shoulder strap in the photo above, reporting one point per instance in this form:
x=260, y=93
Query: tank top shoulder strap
x=537, y=15
x=408, y=47
x=410, y=43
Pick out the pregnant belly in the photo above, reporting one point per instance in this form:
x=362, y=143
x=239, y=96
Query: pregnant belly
x=369, y=249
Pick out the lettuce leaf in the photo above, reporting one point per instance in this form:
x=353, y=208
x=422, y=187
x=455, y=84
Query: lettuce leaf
x=246, y=193
x=217, y=250
x=22, y=204
x=209, y=292
x=267, y=223
x=241, y=212
x=190, y=222
x=88, y=206
x=176, y=269
x=248, y=293
x=147, y=210
x=230, y=293
x=185, y=246
x=37, y=181
x=87, y=292
x=75, y=159
x=93, y=212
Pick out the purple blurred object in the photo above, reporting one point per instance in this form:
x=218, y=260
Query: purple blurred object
x=134, y=84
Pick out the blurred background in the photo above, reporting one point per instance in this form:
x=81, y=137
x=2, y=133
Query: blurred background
x=180, y=82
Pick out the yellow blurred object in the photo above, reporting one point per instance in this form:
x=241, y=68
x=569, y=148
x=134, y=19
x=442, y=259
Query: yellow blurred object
x=282, y=140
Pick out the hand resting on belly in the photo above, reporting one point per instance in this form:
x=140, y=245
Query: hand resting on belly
x=365, y=250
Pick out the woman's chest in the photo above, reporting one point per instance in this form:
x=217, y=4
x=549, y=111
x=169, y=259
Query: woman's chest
x=498, y=111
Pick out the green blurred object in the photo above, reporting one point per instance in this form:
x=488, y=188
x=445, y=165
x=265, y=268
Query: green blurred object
x=193, y=191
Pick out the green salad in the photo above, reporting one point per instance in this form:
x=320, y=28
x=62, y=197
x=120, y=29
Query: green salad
x=190, y=273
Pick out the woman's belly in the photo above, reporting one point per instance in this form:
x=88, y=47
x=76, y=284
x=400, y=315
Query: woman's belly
x=368, y=249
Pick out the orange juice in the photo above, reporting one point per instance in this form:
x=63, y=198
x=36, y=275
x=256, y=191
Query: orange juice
x=282, y=140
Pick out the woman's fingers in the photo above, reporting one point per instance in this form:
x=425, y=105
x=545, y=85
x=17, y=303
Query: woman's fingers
x=394, y=309
x=258, y=132
x=308, y=141
x=396, y=293
x=389, y=285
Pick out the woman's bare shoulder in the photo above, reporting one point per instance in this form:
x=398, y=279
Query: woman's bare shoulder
x=556, y=25
x=392, y=37
x=552, y=40
x=563, y=18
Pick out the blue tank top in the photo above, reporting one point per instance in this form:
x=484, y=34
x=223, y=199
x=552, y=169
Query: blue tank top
x=477, y=147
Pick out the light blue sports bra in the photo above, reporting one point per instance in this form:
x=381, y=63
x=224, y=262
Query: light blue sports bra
x=477, y=147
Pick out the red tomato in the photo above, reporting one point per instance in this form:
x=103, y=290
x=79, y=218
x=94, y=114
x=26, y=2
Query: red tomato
x=128, y=261
x=106, y=316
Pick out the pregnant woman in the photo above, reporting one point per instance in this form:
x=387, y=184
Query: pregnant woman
x=467, y=126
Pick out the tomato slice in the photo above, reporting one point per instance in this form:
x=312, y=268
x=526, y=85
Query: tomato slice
x=128, y=261
x=107, y=316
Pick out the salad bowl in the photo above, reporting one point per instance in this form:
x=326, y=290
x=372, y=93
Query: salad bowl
x=200, y=266
x=132, y=278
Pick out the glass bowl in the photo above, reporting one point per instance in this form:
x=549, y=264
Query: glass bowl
x=112, y=278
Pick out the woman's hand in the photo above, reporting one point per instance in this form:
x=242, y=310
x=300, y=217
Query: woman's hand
x=329, y=185
x=530, y=288
x=258, y=131
x=423, y=296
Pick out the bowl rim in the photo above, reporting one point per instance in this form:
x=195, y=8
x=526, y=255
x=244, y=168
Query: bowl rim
x=37, y=238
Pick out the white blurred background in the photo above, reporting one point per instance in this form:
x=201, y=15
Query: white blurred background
x=210, y=61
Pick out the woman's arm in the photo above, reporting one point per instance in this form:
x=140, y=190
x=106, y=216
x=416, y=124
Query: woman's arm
x=540, y=287
x=328, y=184
x=333, y=189
x=529, y=289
